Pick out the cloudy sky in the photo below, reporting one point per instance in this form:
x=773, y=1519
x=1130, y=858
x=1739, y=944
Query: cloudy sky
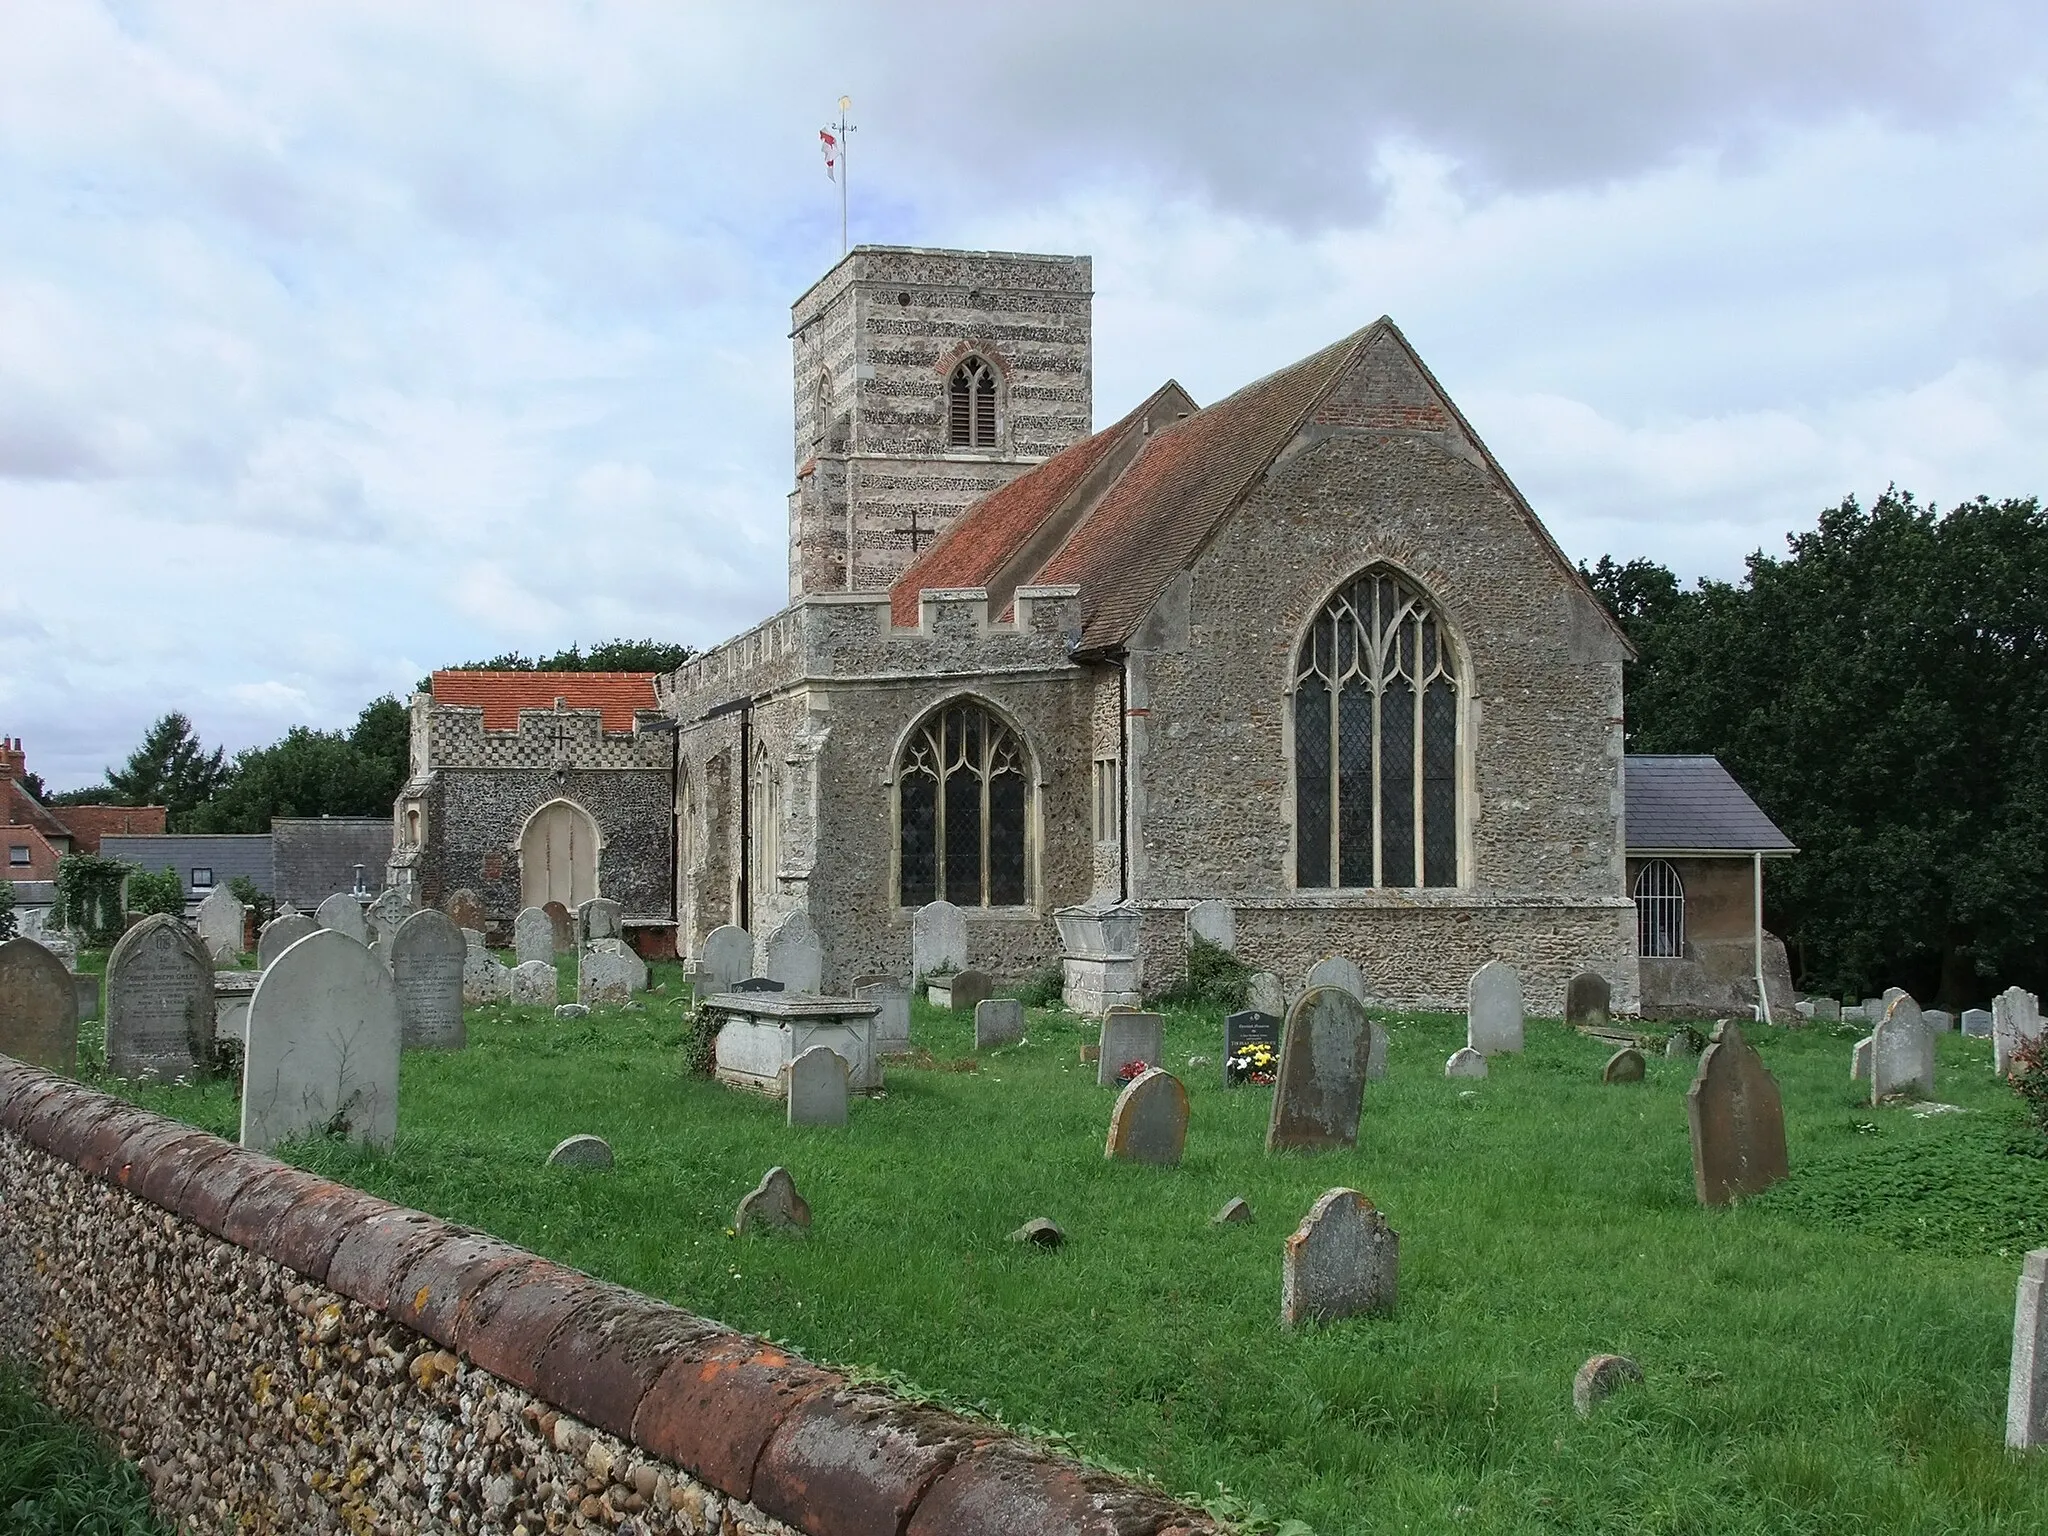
x=347, y=338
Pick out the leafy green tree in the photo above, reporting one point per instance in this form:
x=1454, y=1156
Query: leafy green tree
x=170, y=769
x=315, y=773
x=150, y=894
x=610, y=656
x=92, y=794
x=89, y=895
x=38, y=791
x=8, y=927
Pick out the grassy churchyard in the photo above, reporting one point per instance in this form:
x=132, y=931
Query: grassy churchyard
x=1829, y=1358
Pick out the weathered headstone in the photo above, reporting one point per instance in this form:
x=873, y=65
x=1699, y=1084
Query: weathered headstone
x=1040, y=1232
x=1493, y=1009
x=159, y=1002
x=1859, y=1060
x=1873, y=1009
x=817, y=1087
x=1599, y=1378
x=1681, y=1046
x=1343, y=1260
x=427, y=957
x=1624, y=1066
x=773, y=1206
x=474, y=938
x=581, y=1152
x=1588, y=999
x=2026, y=1395
x=561, y=926
x=608, y=973
x=1236, y=1212
x=281, y=933
x=1938, y=1021
x=892, y=1017
x=535, y=983
x=344, y=914
x=1213, y=922
x=600, y=918
x=794, y=955
x=997, y=1021
x=1149, y=1123
x=484, y=980
x=1249, y=1027
x=533, y=936
x=938, y=939
x=1827, y=1010
x=1264, y=993
x=87, y=986
x=2015, y=1020
x=1977, y=1023
x=219, y=921
x=465, y=909
x=728, y=958
x=38, y=1007
x=1324, y=1052
x=1126, y=1038
x=1465, y=1062
x=1336, y=971
x=1901, y=1052
x=572, y=1010
x=971, y=989
x=322, y=1050
x=1737, y=1121
x=386, y=914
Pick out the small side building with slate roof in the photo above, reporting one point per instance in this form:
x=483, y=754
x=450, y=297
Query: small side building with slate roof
x=1696, y=850
x=317, y=856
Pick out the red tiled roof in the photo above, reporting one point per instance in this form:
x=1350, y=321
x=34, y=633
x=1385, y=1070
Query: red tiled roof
x=19, y=808
x=503, y=694
x=89, y=823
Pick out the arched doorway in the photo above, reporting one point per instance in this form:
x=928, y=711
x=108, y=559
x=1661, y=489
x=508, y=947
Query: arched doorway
x=558, y=855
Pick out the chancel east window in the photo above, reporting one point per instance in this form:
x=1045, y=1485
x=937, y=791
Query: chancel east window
x=1376, y=741
x=1660, y=911
x=963, y=796
x=971, y=421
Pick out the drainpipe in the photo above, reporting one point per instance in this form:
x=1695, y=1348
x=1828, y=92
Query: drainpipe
x=745, y=779
x=1763, y=997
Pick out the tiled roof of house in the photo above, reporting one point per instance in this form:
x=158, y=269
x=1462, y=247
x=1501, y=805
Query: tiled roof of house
x=1692, y=804
x=90, y=823
x=19, y=808
x=503, y=694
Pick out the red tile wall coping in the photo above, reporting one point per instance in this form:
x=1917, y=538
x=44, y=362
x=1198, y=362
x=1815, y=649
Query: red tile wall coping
x=753, y=1421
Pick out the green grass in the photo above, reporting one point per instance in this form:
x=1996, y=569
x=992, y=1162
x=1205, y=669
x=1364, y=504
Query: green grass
x=57, y=1479
x=1830, y=1358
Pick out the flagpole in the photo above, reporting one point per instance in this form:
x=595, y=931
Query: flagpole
x=845, y=169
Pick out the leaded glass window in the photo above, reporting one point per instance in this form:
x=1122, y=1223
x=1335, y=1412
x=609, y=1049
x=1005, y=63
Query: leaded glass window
x=963, y=808
x=1376, y=742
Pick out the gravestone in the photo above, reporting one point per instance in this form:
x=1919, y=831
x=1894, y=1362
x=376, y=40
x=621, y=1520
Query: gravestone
x=427, y=958
x=386, y=915
x=817, y=1087
x=1320, y=1093
x=1588, y=999
x=2026, y=1393
x=997, y=1021
x=1977, y=1023
x=533, y=936
x=728, y=958
x=1599, y=1378
x=773, y=1206
x=465, y=909
x=484, y=980
x=794, y=955
x=88, y=989
x=1213, y=922
x=1493, y=1009
x=1624, y=1066
x=535, y=983
x=971, y=989
x=561, y=926
x=2015, y=1019
x=1251, y=1027
x=1336, y=971
x=1737, y=1121
x=344, y=914
x=938, y=939
x=1901, y=1052
x=892, y=1017
x=1938, y=1022
x=219, y=921
x=1859, y=1061
x=1465, y=1062
x=581, y=1152
x=1129, y=1037
x=1680, y=1047
x=1235, y=1212
x=608, y=972
x=1263, y=993
x=322, y=1050
x=1873, y=1009
x=1343, y=1260
x=600, y=918
x=1376, y=1054
x=1040, y=1232
x=1827, y=1010
x=280, y=934
x=38, y=1007
x=474, y=939
x=159, y=1004
x=1149, y=1123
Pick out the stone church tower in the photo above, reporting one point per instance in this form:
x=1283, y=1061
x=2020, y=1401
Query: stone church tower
x=924, y=380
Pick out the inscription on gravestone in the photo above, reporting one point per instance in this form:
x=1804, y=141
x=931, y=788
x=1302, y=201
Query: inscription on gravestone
x=1324, y=1054
x=1251, y=1027
x=426, y=967
x=38, y=1007
x=160, y=1012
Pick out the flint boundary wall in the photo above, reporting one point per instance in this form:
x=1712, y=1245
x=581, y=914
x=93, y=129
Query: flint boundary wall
x=283, y=1353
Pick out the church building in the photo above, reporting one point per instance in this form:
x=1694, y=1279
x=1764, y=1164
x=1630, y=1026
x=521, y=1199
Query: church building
x=1304, y=651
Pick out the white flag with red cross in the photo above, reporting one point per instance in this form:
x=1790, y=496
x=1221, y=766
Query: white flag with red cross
x=829, y=143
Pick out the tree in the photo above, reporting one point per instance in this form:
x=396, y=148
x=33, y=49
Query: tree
x=170, y=769
x=315, y=773
x=8, y=928
x=610, y=656
x=150, y=894
x=89, y=895
x=92, y=794
x=38, y=791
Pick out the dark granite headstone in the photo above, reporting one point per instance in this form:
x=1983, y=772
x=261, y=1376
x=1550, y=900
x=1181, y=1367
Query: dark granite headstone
x=757, y=984
x=1588, y=999
x=1251, y=1027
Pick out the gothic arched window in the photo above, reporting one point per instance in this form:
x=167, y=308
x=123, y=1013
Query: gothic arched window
x=1376, y=741
x=963, y=793
x=971, y=422
x=1660, y=911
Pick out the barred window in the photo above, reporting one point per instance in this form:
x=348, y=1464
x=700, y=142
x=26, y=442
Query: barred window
x=972, y=422
x=1660, y=911
x=1376, y=741
x=963, y=798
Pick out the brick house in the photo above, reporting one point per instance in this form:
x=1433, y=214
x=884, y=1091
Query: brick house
x=36, y=836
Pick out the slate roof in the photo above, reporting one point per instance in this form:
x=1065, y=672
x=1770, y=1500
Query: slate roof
x=317, y=855
x=503, y=694
x=1692, y=804
x=227, y=854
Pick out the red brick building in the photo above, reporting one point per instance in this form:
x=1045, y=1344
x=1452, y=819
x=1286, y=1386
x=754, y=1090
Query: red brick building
x=36, y=835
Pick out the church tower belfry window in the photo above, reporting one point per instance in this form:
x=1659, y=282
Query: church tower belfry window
x=1376, y=741
x=963, y=796
x=971, y=401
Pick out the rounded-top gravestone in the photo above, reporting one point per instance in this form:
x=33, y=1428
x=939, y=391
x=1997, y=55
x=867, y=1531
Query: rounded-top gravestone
x=1588, y=999
x=581, y=1152
x=1128, y=1037
x=281, y=933
x=321, y=1055
x=1493, y=1009
x=465, y=909
x=1624, y=1066
x=38, y=1007
x=1737, y=1119
x=536, y=983
x=971, y=989
x=219, y=920
x=599, y=918
x=344, y=914
x=1149, y=1123
x=1343, y=1260
x=728, y=957
x=794, y=955
x=533, y=936
x=1337, y=971
x=1263, y=993
x=159, y=1002
x=427, y=958
x=938, y=939
x=1325, y=1053
x=1465, y=1062
x=816, y=1088
x=562, y=925
x=1213, y=922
